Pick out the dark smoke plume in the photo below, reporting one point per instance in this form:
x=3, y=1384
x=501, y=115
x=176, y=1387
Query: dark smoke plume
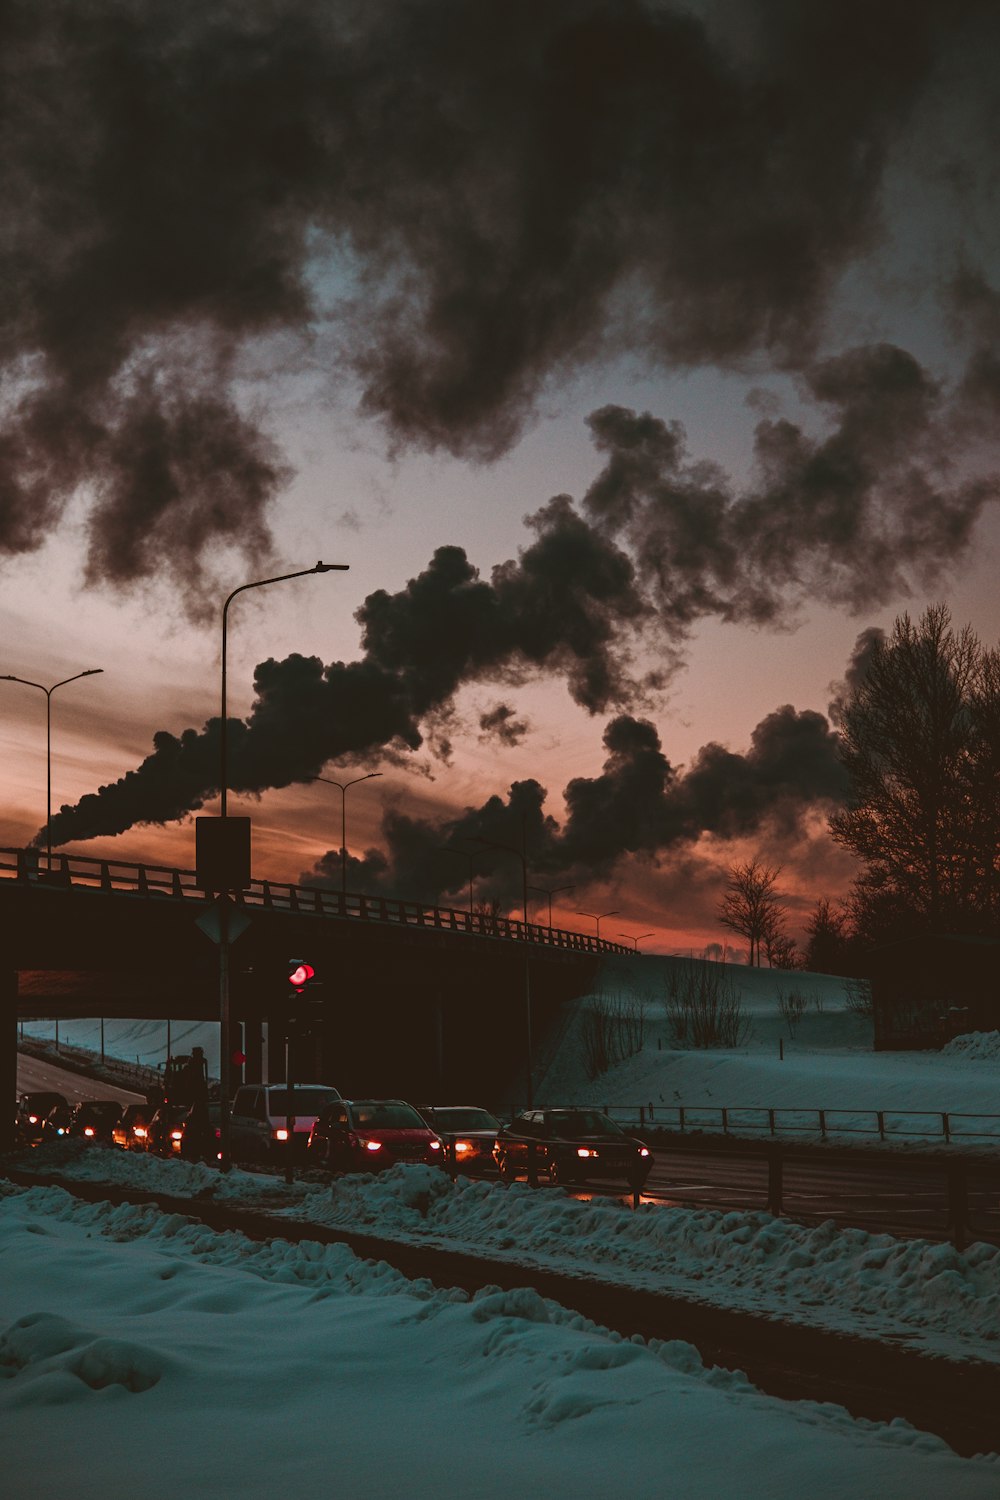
x=855, y=517
x=471, y=198
x=564, y=607
x=639, y=805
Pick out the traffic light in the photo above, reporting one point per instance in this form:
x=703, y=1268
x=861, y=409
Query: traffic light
x=305, y=991
x=300, y=975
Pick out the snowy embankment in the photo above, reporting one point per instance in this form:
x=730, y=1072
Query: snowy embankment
x=174, y=1360
x=931, y=1296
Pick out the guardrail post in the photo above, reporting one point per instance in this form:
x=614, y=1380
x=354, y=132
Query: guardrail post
x=725, y=1120
x=945, y=1126
x=774, y=1180
x=822, y=1124
x=958, y=1203
x=880, y=1117
x=770, y=1121
x=680, y=1112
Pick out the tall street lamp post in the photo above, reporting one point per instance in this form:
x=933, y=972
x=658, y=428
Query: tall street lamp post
x=225, y=1132
x=555, y=890
x=343, y=785
x=522, y=855
x=635, y=941
x=48, y=691
x=598, y=917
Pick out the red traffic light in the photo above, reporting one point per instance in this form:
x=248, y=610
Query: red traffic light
x=301, y=975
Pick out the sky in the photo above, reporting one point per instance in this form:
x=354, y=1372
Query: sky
x=640, y=360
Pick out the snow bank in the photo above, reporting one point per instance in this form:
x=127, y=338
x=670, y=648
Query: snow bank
x=934, y=1296
x=187, y=1362
x=980, y=1045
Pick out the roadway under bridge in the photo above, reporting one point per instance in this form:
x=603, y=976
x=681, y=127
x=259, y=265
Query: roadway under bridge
x=415, y=1000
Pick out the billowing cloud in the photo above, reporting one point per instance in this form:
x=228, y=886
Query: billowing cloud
x=639, y=805
x=868, y=510
x=454, y=202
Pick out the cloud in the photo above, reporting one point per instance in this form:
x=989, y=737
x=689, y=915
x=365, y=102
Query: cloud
x=868, y=509
x=456, y=203
x=639, y=806
x=501, y=723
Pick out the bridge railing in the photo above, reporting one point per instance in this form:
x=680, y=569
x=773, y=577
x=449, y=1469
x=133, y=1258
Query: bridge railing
x=31, y=866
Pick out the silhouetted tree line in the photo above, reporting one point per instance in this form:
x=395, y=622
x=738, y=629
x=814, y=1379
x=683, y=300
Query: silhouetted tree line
x=920, y=741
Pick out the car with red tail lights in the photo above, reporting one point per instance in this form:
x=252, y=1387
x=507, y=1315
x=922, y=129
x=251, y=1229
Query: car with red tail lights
x=30, y=1113
x=131, y=1129
x=369, y=1135
x=571, y=1146
x=467, y=1133
x=95, y=1119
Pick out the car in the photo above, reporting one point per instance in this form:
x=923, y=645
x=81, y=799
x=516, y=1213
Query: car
x=131, y=1129
x=29, y=1115
x=570, y=1146
x=467, y=1133
x=261, y=1112
x=95, y=1119
x=164, y=1132
x=57, y=1122
x=369, y=1135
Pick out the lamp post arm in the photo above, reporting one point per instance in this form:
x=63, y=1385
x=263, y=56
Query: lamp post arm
x=259, y=583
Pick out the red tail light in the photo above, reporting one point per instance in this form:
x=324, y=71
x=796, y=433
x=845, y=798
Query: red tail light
x=88, y=1130
x=372, y=1145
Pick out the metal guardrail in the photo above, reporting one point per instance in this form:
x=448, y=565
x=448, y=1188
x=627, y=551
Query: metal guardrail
x=880, y=1124
x=74, y=871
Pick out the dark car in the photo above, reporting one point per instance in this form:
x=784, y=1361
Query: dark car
x=57, y=1122
x=95, y=1119
x=131, y=1129
x=29, y=1116
x=571, y=1146
x=165, y=1132
x=468, y=1135
x=368, y=1135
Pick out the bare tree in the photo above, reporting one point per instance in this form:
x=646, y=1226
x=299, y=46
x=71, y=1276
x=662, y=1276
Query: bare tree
x=751, y=905
x=791, y=1007
x=613, y=1029
x=703, y=1008
x=920, y=740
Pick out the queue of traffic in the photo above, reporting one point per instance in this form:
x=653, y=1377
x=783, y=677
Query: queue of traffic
x=322, y=1130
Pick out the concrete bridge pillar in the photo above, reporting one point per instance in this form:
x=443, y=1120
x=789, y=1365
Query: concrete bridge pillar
x=8, y=1056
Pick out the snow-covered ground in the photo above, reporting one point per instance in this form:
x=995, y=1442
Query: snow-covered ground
x=384, y=1387
x=145, y=1355
x=931, y=1296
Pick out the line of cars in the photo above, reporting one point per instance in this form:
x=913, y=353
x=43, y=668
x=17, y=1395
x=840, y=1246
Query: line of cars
x=567, y=1146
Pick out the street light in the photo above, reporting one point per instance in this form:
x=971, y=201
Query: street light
x=343, y=785
x=635, y=941
x=225, y=1134
x=522, y=855
x=48, y=691
x=598, y=918
x=464, y=853
x=550, y=892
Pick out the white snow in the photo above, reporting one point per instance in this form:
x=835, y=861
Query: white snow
x=252, y=1368
x=144, y=1355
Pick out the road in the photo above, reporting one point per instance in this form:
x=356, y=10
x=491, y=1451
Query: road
x=903, y=1199
x=34, y=1074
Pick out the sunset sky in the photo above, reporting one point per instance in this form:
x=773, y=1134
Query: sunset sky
x=640, y=359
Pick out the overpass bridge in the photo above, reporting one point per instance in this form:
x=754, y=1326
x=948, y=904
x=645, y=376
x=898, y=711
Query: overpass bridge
x=415, y=999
